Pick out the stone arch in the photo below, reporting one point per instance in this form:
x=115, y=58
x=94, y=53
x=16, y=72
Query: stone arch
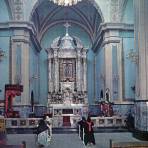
x=61, y=22
x=93, y=2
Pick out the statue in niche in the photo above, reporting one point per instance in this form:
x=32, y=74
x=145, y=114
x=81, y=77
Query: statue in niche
x=107, y=94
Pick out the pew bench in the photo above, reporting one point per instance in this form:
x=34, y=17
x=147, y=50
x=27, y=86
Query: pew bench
x=11, y=146
x=136, y=144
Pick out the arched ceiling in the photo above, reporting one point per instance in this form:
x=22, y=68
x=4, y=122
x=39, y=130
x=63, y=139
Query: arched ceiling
x=5, y=12
x=84, y=14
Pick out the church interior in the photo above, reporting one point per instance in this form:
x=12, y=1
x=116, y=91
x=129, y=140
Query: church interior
x=70, y=59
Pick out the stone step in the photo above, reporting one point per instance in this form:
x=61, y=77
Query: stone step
x=66, y=130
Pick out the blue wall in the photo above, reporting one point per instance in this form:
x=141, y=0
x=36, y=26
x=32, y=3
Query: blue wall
x=99, y=82
x=43, y=62
x=34, y=72
x=129, y=66
x=4, y=13
x=90, y=76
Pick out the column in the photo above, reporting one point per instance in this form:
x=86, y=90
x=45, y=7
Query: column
x=49, y=75
x=13, y=61
x=108, y=68
x=141, y=34
x=25, y=74
x=84, y=73
x=120, y=70
x=141, y=43
x=56, y=78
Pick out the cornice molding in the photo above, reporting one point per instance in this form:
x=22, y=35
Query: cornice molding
x=15, y=25
x=106, y=27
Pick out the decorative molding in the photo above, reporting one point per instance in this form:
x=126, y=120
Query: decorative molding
x=114, y=11
x=22, y=25
x=18, y=10
x=105, y=27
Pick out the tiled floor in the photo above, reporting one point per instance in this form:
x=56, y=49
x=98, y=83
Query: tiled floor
x=71, y=140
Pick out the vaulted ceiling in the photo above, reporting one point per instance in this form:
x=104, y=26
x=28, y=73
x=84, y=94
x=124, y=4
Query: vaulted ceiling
x=84, y=14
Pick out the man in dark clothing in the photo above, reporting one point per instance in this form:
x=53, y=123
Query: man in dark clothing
x=82, y=126
x=89, y=133
x=42, y=126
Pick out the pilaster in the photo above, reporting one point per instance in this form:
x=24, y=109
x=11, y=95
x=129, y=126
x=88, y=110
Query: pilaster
x=120, y=70
x=78, y=71
x=84, y=74
x=141, y=44
x=108, y=68
x=21, y=39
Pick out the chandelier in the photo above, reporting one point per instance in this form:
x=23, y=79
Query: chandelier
x=65, y=2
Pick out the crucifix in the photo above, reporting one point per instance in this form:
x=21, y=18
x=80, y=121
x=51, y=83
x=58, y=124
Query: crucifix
x=67, y=26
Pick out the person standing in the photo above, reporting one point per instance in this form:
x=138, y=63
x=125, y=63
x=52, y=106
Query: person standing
x=89, y=132
x=82, y=126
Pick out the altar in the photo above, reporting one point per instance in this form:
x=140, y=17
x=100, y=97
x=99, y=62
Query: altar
x=67, y=82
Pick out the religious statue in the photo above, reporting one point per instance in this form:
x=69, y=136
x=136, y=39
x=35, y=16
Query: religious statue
x=107, y=95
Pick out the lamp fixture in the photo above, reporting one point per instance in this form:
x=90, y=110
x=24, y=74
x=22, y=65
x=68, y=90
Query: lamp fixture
x=2, y=54
x=133, y=56
x=65, y=2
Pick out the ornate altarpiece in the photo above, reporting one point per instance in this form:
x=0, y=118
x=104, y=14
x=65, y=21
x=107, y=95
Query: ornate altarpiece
x=67, y=69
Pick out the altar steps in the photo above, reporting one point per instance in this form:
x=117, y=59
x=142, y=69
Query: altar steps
x=96, y=130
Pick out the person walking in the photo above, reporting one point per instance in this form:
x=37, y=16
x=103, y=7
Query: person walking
x=42, y=134
x=82, y=126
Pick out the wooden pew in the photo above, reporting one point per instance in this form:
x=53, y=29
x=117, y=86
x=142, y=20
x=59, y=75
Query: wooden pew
x=23, y=145
x=136, y=144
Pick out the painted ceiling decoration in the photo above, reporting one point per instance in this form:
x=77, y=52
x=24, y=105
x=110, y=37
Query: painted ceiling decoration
x=65, y=2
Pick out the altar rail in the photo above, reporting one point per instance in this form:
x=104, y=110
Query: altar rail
x=114, y=121
x=22, y=122
x=134, y=144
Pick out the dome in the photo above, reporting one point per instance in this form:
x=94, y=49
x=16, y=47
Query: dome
x=67, y=42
